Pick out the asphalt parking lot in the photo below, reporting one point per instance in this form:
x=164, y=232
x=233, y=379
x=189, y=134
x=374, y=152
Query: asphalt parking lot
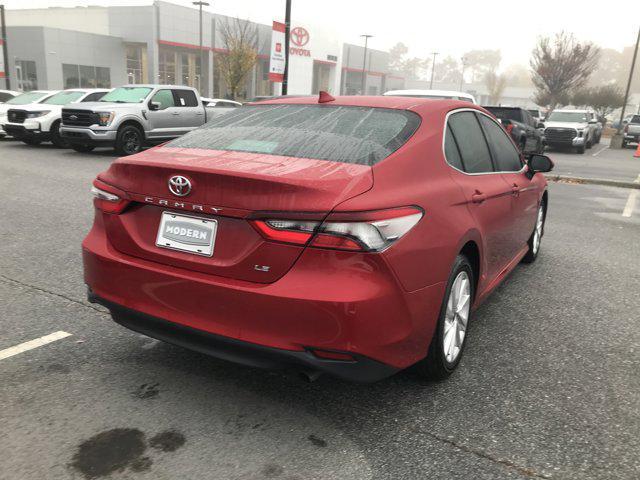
x=548, y=387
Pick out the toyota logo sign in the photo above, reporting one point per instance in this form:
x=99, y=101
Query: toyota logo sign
x=179, y=185
x=299, y=36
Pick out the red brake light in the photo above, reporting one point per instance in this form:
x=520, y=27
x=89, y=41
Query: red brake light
x=107, y=198
x=370, y=231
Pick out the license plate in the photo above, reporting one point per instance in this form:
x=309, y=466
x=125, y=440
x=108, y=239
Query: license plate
x=187, y=234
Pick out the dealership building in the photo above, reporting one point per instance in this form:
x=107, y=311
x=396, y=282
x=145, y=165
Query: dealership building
x=56, y=48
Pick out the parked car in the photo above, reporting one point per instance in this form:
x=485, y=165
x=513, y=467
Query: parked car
x=632, y=131
x=218, y=106
x=571, y=128
x=262, y=237
x=522, y=127
x=34, y=96
x=437, y=94
x=6, y=95
x=536, y=114
x=40, y=122
x=130, y=117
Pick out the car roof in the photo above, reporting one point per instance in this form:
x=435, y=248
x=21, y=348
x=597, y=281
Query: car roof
x=502, y=106
x=155, y=85
x=450, y=93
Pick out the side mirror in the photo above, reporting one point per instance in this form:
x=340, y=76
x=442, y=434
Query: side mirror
x=153, y=106
x=540, y=125
x=539, y=163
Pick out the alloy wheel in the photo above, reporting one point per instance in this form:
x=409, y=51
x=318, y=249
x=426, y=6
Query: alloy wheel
x=131, y=140
x=456, y=316
x=537, y=234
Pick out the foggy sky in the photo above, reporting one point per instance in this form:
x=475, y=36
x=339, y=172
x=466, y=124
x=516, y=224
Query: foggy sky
x=449, y=27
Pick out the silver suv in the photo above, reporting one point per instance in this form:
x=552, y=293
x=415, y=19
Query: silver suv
x=571, y=128
x=130, y=117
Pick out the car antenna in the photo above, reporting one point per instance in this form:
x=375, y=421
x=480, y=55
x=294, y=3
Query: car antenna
x=324, y=97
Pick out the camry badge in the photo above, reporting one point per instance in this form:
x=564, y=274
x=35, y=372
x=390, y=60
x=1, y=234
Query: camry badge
x=179, y=185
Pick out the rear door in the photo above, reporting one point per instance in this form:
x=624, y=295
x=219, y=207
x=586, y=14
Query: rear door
x=165, y=121
x=524, y=193
x=487, y=193
x=191, y=112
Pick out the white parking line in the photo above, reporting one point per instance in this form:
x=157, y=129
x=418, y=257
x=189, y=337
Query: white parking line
x=31, y=344
x=600, y=151
x=631, y=201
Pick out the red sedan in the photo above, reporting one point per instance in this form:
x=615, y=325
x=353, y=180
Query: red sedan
x=353, y=236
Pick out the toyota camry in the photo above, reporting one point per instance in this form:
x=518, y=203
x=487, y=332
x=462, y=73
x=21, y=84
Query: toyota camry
x=353, y=236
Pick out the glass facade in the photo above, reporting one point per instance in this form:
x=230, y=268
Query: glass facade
x=85, y=76
x=167, y=67
x=27, y=75
x=136, y=64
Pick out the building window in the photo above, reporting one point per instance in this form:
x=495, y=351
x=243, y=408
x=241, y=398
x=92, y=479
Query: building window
x=167, y=67
x=191, y=70
x=27, y=75
x=136, y=64
x=85, y=76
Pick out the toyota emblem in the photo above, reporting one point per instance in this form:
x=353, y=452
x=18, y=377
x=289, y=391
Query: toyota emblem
x=179, y=185
x=299, y=36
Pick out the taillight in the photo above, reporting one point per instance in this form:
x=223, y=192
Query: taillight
x=107, y=198
x=371, y=231
x=509, y=127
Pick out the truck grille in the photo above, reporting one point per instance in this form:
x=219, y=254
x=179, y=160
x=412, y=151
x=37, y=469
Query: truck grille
x=16, y=116
x=78, y=118
x=560, y=134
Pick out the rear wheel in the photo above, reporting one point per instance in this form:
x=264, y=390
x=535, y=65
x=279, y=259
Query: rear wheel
x=450, y=336
x=129, y=140
x=536, y=236
x=82, y=148
x=56, y=139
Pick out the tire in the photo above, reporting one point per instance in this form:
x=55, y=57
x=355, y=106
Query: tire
x=31, y=141
x=442, y=360
x=82, y=148
x=129, y=140
x=589, y=144
x=536, y=236
x=580, y=149
x=56, y=139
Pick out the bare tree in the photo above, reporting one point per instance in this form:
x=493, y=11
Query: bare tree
x=604, y=99
x=482, y=62
x=239, y=39
x=495, y=84
x=561, y=66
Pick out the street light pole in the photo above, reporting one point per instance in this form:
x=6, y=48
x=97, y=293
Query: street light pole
x=433, y=68
x=364, y=64
x=287, y=32
x=201, y=4
x=4, y=49
x=626, y=93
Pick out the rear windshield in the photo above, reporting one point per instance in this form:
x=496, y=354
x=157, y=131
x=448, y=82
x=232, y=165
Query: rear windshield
x=30, y=97
x=362, y=135
x=62, y=98
x=635, y=119
x=506, y=113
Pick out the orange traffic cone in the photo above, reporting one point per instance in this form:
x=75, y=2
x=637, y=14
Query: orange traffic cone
x=637, y=154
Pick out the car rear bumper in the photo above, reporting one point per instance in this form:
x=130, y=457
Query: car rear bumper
x=632, y=137
x=361, y=369
x=87, y=136
x=328, y=301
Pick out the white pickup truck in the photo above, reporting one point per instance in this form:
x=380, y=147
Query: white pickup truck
x=632, y=131
x=132, y=116
x=40, y=122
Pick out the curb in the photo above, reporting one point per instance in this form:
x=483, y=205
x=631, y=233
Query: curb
x=592, y=181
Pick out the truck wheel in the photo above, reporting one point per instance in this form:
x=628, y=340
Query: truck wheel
x=82, y=148
x=129, y=140
x=580, y=149
x=56, y=139
x=589, y=144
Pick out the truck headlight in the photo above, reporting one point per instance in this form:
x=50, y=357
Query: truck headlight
x=40, y=113
x=105, y=118
x=580, y=132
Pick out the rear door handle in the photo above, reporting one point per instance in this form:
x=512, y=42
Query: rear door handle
x=478, y=197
